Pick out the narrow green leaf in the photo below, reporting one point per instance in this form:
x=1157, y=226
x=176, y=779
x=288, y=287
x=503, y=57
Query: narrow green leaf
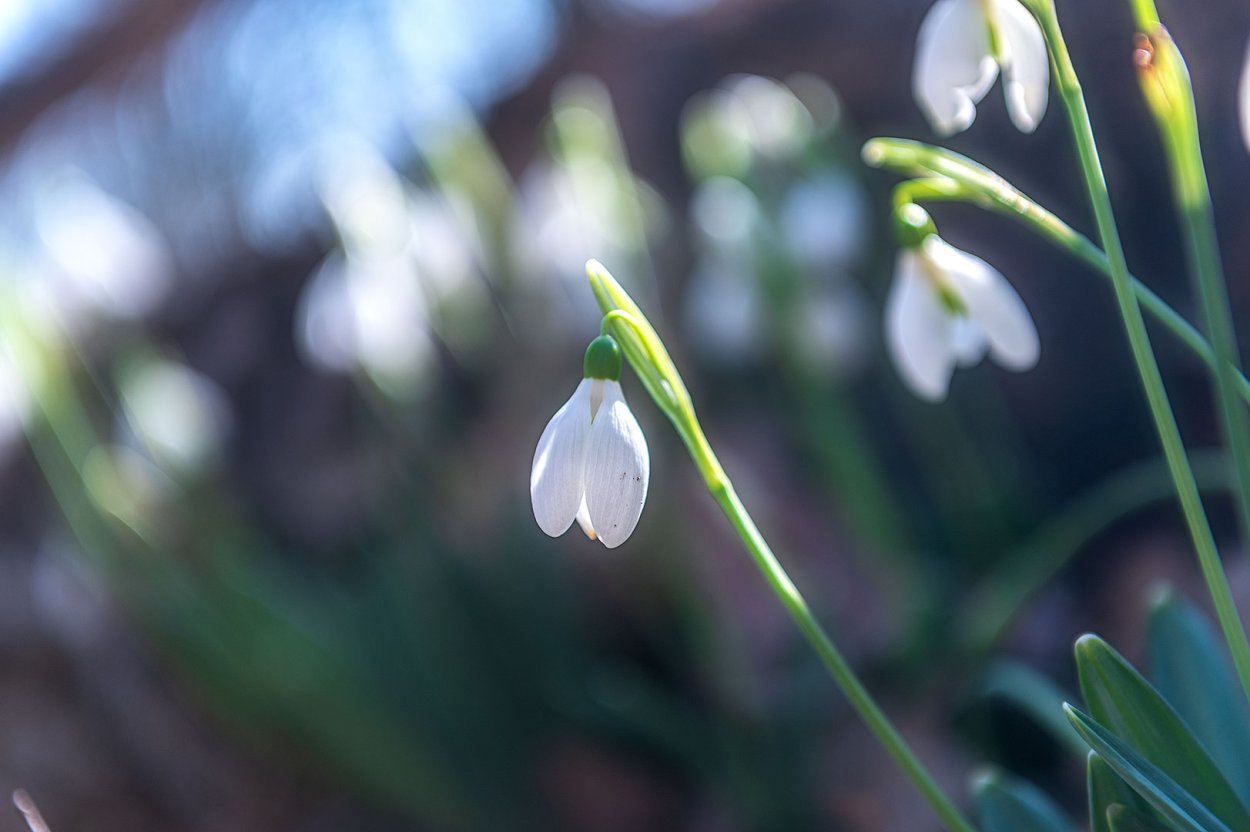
x=1191, y=669
x=1107, y=789
x=1120, y=699
x=1008, y=804
x=1121, y=818
x=1178, y=806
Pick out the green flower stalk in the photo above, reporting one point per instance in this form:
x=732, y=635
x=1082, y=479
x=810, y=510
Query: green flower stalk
x=645, y=352
x=1165, y=84
x=1069, y=88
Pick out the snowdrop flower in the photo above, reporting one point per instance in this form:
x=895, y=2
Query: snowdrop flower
x=947, y=309
x=592, y=464
x=961, y=47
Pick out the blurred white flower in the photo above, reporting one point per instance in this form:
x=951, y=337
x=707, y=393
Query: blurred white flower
x=728, y=216
x=365, y=198
x=724, y=313
x=445, y=255
x=580, y=202
x=553, y=227
x=747, y=118
x=946, y=309
x=367, y=308
x=824, y=220
x=15, y=402
x=592, y=466
x=368, y=315
x=108, y=255
x=181, y=416
x=835, y=325
x=961, y=47
x=777, y=123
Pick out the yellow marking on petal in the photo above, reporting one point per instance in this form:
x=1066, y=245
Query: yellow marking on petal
x=946, y=293
x=991, y=30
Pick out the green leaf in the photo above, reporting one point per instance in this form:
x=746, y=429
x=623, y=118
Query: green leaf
x=1120, y=699
x=1107, y=789
x=1121, y=818
x=1007, y=804
x=1178, y=806
x=1191, y=670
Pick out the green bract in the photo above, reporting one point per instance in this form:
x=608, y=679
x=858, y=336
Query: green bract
x=603, y=359
x=913, y=225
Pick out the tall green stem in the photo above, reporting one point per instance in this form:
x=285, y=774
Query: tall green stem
x=861, y=700
x=1170, y=96
x=655, y=369
x=1069, y=89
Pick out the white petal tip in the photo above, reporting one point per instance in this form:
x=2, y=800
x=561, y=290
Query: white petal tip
x=618, y=470
x=556, y=474
x=929, y=392
x=551, y=530
x=1020, y=362
x=1024, y=125
x=945, y=131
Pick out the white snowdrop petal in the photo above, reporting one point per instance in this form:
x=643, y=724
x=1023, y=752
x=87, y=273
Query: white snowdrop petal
x=583, y=520
x=992, y=303
x=1026, y=67
x=953, y=69
x=967, y=340
x=1245, y=100
x=556, y=477
x=917, y=329
x=618, y=469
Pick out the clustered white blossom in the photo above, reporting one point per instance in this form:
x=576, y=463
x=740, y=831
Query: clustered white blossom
x=946, y=308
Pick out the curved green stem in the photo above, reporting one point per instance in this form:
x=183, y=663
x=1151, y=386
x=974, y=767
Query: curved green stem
x=861, y=700
x=646, y=354
x=1069, y=89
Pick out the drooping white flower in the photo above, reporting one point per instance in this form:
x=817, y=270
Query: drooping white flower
x=592, y=464
x=947, y=309
x=961, y=47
